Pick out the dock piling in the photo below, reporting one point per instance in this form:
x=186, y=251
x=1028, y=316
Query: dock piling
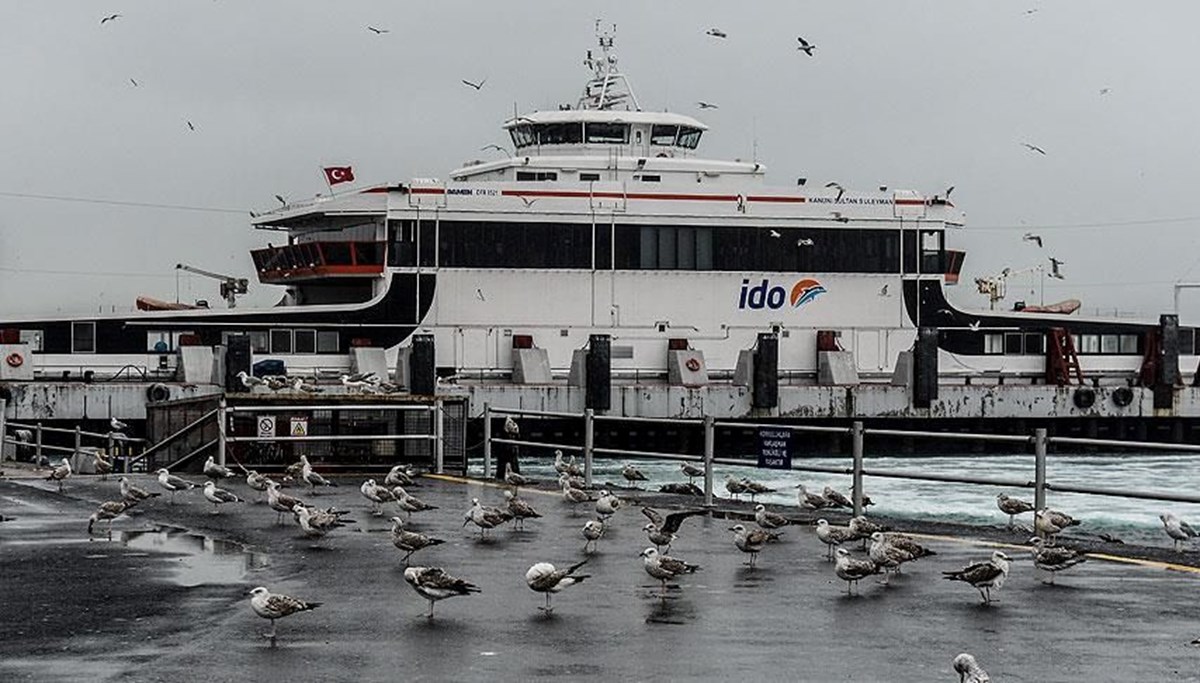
x=589, y=442
x=856, y=446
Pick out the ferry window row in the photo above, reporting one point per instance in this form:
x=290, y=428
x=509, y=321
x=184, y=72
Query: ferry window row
x=600, y=133
x=282, y=340
x=1017, y=343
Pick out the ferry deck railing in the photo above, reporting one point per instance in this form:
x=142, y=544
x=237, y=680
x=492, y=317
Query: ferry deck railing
x=37, y=442
x=1039, y=441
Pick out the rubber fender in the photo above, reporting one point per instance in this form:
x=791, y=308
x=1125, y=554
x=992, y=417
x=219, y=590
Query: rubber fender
x=157, y=392
x=1122, y=396
x=1085, y=397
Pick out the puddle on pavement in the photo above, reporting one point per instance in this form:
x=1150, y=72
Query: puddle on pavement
x=201, y=559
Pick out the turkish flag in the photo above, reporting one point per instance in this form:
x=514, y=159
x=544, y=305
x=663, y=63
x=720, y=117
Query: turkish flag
x=339, y=174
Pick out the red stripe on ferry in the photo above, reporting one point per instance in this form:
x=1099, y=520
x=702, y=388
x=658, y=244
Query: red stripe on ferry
x=427, y=190
x=776, y=198
x=650, y=195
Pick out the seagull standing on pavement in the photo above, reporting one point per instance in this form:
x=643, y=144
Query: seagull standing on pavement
x=108, y=511
x=691, y=471
x=1051, y=523
x=214, y=471
x=852, y=570
x=314, y=480
x=173, y=483
x=832, y=535
x=60, y=474
x=664, y=567
x=543, y=577
x=965, y=666
x=632, y=474
x=218, y=497
x=769, y=520
x=751, y=541
x=434, y=584
x=983, y=576
x=280, y=502
x=277, y=606
x=134, y=493
x=410, y=541
x=1012, y=507
x=519, y=509
x=593, y=531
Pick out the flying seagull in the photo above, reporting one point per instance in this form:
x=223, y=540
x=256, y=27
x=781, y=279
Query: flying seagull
x=1105, y=91
x=1054, y=271
x=543, y=577
x=477, y=86
x=277, y=606
x=190, y=126
x=134, y=82
x=661, y=530
x=775, y=234
x=883, y=291
x=433, y=584
x=805, y=46
x=841, y=190
x=281, y=199
x=1034, y=148
x=528, y=202
x=716, y=33
x=111, y=17
x=378, y=31
x=983, y=576
x=837, y=215
x=1030, y=237
x=706, y=105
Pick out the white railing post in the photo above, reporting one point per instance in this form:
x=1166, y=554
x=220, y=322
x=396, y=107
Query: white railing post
x=439, y=445
x=37, y=452
x=78, y=461
x=4, y=430
x=709, y=448
x=1039, y=469
x=222, y=426
x=589, y=443
x=487, y=439
x=856, y=445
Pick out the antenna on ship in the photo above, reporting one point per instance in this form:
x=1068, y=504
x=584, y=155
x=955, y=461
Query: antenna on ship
x=608, y=88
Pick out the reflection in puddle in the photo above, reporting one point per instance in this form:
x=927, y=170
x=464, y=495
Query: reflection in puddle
x=201, y=559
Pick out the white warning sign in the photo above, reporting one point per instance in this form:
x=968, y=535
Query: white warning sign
x=266, y=427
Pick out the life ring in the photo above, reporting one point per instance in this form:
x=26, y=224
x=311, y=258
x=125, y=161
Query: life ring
x=1122, y=396
x=693, y=364
x=15, y=360
x=1084, y=398
x=157, y=393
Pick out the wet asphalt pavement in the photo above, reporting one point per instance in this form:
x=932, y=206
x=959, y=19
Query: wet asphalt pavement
x=164, y=600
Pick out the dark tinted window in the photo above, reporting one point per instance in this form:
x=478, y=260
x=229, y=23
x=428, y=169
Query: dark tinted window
x=478, y=244
x=608, y=133
x=663, y=135
x=560, y=133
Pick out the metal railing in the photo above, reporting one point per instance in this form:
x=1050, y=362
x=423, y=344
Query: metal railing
x=1039, y=440
x=436, y=436
x=38, y=431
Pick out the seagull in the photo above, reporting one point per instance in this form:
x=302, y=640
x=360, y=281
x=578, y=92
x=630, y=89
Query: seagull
x=837, y=216
x=607, y=505
x=974, y=326
x=1109, y=538
x=965, y=666
x=511, y=429
x=543, y=577
x=249, y=381
x=1105, y=91
x=1052, y=522
x=277, y=606
x=117, y=425
x=433, y=584
x=108, y=511
x=281, y=199
x=805, y=46
x=883, y=291
x=769, y=520
x=1177, y=529
x=841, y=190
x=378, y=31
x=593, y=531
x=173, y=483
x=571, y=494
x=275, y=382
x=948, y=191
x=735, y=487
x=399, y=476
x=410, y=541
x=352, y=382
x=1012, y=507
x=833, y=535
x=706, y=105
x=889, y=551
x=775, y=234
x=214, y=471
x=102, y=463
x=485, y=517
x=256, y=481
x=314, y=480
x=862, y=528
x=836, y=499
x=1054, y=559
x=316, y=523
x=663, y=567
x=632, y=474
x=477, y=86
x=716, y=33
x=662, y=530
x=111, y=17
x=560, y=465
x=528, y=201
x=1054, y=271
x=691, y=471
x=190, y=126
x=1030, y=237
x=280, y=502
x=852, y=570
x=810, y=501
x=519, y=509
x=410, y=503
x=134, y=493
x=751, y=542
x=377, y=495
x=513, y=479
x=1034, y=148
x=218, y=496
x=134, y=82
x=983, y=576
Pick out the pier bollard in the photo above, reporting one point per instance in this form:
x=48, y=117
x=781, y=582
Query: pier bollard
x=1039, y=471
x=709, y=448
x=589, y=443
x=856, y=449
x=487, y=439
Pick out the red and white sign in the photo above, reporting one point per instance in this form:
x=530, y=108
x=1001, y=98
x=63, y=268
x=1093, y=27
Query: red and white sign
x=339, y=174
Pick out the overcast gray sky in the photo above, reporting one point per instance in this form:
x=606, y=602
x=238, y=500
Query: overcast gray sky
x=919, y=95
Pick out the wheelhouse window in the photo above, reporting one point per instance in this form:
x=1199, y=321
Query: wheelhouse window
x=689, y=138
x=589, y=177
x=525, y=176
x=607, y=133
x=83, y=337
x=523, y=136
x=664, y=136
x=560, y=133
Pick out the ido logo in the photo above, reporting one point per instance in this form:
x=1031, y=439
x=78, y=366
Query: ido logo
x=765, y=295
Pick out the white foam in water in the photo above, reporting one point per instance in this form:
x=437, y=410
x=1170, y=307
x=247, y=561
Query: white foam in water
x=1128, y=518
